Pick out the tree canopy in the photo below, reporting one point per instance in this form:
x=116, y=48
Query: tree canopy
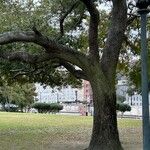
x=66, y=25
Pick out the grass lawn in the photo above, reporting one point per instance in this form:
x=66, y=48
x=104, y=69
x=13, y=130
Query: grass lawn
x=21, y=131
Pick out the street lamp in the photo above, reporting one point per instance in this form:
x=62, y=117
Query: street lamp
x=76, y=96
x=57, y=97
x=143, y=11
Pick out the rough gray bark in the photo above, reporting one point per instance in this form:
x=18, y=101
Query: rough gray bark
x=105, y=132
x=115, y=38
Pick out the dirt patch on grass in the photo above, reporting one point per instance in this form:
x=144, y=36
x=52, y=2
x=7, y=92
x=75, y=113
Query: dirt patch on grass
x=131, y=138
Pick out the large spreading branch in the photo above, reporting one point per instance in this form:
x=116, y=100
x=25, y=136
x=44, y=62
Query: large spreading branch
x=93, y=28
x=115, y=37
x=24, y=57
x=38, y=58
x=52, y=48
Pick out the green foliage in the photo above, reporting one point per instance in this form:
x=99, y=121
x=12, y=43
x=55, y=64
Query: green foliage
x=11, y=108
x=120, y=99
x=44, y=73
x=104, y=25
x=45, y=107
x=20, y=95
x=56, y=107
x=123, y=107
x=41, y=107
x=45, y=15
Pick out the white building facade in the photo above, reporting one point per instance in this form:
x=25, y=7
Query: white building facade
x=54, y=95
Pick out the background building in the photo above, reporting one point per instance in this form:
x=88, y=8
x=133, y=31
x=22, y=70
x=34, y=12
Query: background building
x=53, y=95
x=69, y=96
x=122, y=87
x=87, y=92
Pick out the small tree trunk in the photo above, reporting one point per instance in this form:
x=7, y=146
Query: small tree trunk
x=21, y=108
x=3, y=106
x=105, y=132
x=122, y=114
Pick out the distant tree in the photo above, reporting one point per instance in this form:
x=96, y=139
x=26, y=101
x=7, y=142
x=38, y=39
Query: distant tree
x=28, y=96
x=120, y=99
x=3, y=101
x=21, y=95
x=122, y=107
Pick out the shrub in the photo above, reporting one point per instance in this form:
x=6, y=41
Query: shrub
x=45, y=107
x=41, y=107
x=123, y=107
x=55, y=107
x=11, y=109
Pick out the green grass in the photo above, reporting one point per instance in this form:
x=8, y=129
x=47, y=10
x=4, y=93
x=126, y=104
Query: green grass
x=27, y=122
x=21, y=131
x=129, y=123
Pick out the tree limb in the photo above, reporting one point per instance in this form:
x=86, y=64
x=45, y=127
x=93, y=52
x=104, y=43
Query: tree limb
x=133, y=45
x=79, y=74
x=93, y=28
x=53, y=48
x=25, y=57
x=63, y=17
x=10, y=37
x=19, y=56
x=131, y=19
x=115, y=38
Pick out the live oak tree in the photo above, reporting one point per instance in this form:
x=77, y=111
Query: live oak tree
x=61, y=41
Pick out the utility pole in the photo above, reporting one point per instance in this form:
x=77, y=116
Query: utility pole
x=143, y=11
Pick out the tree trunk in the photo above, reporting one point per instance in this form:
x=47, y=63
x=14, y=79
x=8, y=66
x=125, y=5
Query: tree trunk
x=105, y=132
x=3, y=106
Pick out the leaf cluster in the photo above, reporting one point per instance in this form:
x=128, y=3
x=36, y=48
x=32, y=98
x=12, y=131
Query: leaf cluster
x=123, y=107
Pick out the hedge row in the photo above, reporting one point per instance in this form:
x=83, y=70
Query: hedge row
x=46, y=107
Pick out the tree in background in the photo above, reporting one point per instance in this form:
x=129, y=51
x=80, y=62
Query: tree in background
x=59, y=39
x=120, y=99
x=121, y=106
x=20, y=95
